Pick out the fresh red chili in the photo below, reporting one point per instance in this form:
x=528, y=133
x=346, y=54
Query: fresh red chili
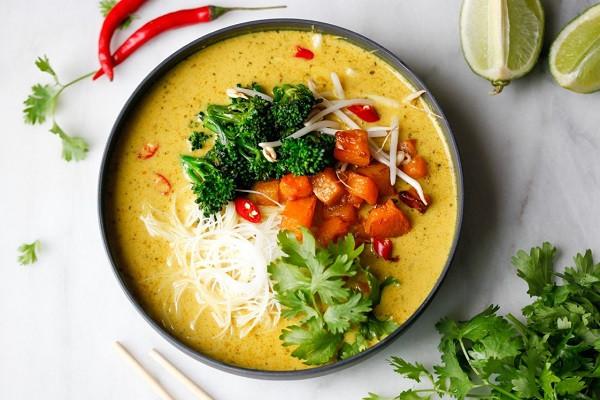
x=163, y=184
x=411, y=199
x=167, y=22
x=365, y=112
x=302, y=52
x=247, y=210
x=120, y=12
x=148, y=151
x=383, y=248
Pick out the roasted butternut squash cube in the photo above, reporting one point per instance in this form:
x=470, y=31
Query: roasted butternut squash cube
x=269, y=193
x=363, y=187
x=331, y=230
x=380, y=174
x=327, y=187
x=386, y=221
x=352, y=147
x=294, y=187
x=345, y=211
x=298, y=213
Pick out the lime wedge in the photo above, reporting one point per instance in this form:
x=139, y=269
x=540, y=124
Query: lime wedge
x=575, y=54
x=501, y=39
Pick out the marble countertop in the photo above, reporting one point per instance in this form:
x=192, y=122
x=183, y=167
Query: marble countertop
x=530, y=159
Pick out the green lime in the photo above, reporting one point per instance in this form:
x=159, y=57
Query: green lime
x=575, y=54
x=501, y=39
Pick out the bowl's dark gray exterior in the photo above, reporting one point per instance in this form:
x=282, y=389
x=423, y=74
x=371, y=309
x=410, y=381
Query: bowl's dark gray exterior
x=203, y=42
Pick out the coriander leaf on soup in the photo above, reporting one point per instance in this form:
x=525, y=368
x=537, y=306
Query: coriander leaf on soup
x=39, y=103
x=288, y=276
x=536, y=268
x=339, y=317
x=375, y=328
x=314, y=345
x=298, y=304
x=28, y=253
x=351, y=349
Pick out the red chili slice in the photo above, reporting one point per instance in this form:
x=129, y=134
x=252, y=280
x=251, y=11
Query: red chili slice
x=148, y=151
x=302, y=52
x=383, y=248
x=411, y=199
x=163, y=184
x=247, y=210
x=365, y=112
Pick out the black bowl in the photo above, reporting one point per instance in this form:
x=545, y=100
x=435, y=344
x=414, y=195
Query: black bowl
x=225, y=33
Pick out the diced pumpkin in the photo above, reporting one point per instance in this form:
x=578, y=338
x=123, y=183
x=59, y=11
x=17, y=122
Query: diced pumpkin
x=327, y=187
x=345, y=211
x=331, y=230
x=353, y=200
x=416, y=168
x=409, y=146
x=298, y=213
x=386, y=221
x=352, y=147
x=363, y=187
x=269, y=190
x=294, y=187
x=380, y=174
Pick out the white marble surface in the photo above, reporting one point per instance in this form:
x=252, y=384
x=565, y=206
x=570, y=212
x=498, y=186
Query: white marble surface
x=530, y=159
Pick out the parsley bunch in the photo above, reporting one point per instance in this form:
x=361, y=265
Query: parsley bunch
x=554, y=355
x=330, y=296
x=41, y=105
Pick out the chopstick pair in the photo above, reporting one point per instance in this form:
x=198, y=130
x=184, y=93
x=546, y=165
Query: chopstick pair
x=166, y=364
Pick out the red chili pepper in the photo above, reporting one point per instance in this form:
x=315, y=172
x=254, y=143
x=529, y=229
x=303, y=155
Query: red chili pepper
x=163, y=184
x=247, y=210
x=302, y=52
x=148, y=151
x=411, y=199
x=383, y=248
x=120, y=12
x=365, y=112
x=166, y=22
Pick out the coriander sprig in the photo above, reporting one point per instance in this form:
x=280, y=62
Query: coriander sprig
x=553, y=355
x=28, y=253
x=41, y=105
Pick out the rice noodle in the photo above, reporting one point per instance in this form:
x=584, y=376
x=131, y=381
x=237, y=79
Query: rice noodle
x=338, y=89
x=393, y=150
x=380, y=156
x=222, y=261
x=413, y=96
x=251, y=92
x=303, y=131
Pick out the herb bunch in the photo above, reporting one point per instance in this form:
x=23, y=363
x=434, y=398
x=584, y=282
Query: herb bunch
x=554, y=354
x=41, y=104
x=330, y=296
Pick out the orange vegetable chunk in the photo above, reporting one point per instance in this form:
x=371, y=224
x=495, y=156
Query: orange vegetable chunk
x=386, y=221
x=298, y=213
x=294, y=187
x=352, y=147
x=331, y=230
x=380, y=174
x=270, y=189
x=327, y=187
x=345, y=211
x=416, y=168
x=363, y=187
x=409, y=146
x=353, y=200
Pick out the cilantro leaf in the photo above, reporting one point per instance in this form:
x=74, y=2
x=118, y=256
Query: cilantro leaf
x=73, y=147
x=536, y=268
x=39, y=103
x=297, y=304
x=411, y=371
x=107, y=5
x=374, y=396
x=315, y=345
x=412, y=395
x=43, y=64
x=28, y=253
x=351, y=349
x=339, y=317
x=375, y=328
x=452, y=377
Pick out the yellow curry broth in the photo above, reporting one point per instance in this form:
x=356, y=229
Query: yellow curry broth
x=164, y=117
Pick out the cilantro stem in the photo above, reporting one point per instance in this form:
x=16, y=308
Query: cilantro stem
x=464, y=350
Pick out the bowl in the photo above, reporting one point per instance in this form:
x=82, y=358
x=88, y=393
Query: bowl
x=232, y=31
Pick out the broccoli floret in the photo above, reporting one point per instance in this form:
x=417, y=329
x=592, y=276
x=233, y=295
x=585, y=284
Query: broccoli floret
x=197, y=140
x=213, y=189
x=291, y=106
x=259, y=167
x=243, y=117
x=306, y=155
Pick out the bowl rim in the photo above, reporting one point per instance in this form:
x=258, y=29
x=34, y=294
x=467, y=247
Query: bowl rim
x=260, y=26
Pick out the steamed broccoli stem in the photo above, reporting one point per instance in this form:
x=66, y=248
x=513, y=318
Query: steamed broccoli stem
x=260, y=168
x=212, y=188
x=291, y=106
x=307, y=155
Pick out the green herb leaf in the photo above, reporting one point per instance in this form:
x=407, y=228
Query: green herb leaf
x=351, y=349
x=28, y=253
x=315, y=345
x=339, y=317
x=375, y=328
x=107, y=5
x=411, y=371
x=43, y=64
x=73, y=147
x=536, y=267
x=412, y=395
x=39, y=103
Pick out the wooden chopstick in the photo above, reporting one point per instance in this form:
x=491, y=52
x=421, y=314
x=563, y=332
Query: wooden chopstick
x=173, y=370
x=154, y=383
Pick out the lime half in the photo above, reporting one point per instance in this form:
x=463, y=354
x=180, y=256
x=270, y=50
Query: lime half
x=575, y=54
x=501, y=39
